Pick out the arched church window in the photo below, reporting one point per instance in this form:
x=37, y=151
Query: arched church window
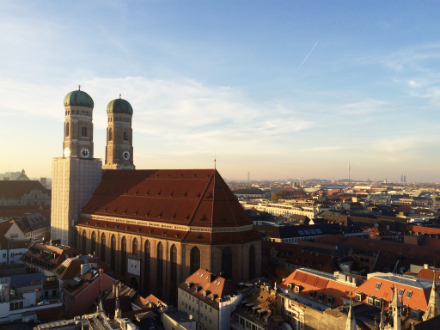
x=84, y=131
x=173, y=271
x=134, y=248
x=195, y=259
x=159, y=269
x=123, y=256
x=113, y=253
x=67, y=129
x=251, y=262
x=84, y=243
x=110, y=134
x=93, y=243
x=125, y=135
x=147, y=267
x=227, y=263
x=103, y=247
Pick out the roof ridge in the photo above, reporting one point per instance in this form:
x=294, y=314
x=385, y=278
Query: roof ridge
x=200, y=201
x=229, y=204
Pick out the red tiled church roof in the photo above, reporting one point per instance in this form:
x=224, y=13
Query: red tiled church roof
x=187, y=197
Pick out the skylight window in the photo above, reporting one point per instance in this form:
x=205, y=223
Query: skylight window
x=307, y=232
x=312, y=231
x=378, y=285
x=318, y=231
x=409, y=294
x=300, y=232
x=401, y=291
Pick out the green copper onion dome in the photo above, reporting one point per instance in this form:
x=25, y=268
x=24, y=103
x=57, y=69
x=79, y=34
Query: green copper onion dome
x=119, y=106
x=78, y=98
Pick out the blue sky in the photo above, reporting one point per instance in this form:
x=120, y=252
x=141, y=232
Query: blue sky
x=283, y=89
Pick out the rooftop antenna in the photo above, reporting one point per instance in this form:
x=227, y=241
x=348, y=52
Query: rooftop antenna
x=349, y=179
x=119, y=95
x=79, y=87
x=215, y=161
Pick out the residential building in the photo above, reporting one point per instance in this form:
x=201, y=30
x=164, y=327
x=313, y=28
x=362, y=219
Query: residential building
x=209, y=299
x=23, y=193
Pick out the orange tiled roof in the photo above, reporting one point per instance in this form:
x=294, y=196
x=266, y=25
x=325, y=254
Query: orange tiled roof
x=320, y=282
x=209, y=282
x=423, y=230
x=420, y=289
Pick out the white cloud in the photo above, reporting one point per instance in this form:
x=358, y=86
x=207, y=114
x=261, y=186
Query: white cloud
x=363, y=107
x=181, y=111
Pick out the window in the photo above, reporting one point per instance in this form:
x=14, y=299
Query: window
x=110, y=134
x=84, y=131
x=173, y=269
x=134, y=248
x=84, y=242
x=370, y=300
x=415, y=314
x=159, y=268
x=210, y=309
x=401, y=291
x=123, y=256
x=378, y=285
x=67, y=129
x=93, y=243
x=251, y=262
x=195, y=259
x=113, y=252
x=147, y=266
x=409, y=294
x=358, y=297
x=125, y=135
x=103, y=247
x=378, y=303
x=227, y=263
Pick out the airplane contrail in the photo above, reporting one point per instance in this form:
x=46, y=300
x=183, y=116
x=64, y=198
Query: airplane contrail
x=306, y=58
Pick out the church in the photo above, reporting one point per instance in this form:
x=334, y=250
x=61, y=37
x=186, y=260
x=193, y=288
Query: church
x=153, y=227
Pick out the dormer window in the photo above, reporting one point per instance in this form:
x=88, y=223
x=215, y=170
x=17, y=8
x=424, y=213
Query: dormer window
x=415, y=314
x=312, y=294
x=321, y=296
x=359, y=296
x=370, y=300
x=378, y=303
x=330, y=300
x=298, y=288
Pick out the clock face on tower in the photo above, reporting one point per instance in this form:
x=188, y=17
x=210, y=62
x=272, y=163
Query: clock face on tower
x=126, y=155
x=85, y=153
x=66, y=152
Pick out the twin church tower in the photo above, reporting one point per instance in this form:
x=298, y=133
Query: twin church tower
x=78, y=173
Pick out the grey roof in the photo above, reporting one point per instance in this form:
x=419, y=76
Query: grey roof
x=297, y=231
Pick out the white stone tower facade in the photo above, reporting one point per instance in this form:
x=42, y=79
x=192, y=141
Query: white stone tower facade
x=76, y=175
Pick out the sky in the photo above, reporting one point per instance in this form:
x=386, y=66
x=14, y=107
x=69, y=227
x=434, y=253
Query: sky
x=280, y=89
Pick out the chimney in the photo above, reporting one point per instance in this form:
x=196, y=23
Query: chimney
x=211, y=277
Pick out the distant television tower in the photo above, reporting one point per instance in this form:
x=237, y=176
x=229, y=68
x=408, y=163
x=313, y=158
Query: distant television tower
x=249, y=176
x=349, y=168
